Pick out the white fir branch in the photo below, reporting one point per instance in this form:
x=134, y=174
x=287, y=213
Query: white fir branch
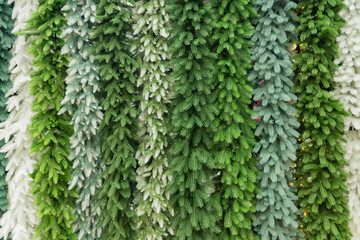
x=20, y=220
x=347, y=91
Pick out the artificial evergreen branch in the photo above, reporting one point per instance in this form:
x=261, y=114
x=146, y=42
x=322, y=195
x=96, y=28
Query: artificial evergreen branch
x=20, y=220
x=152, y=199
x=348, y=92
x=234, y=125
x=80, y=101
x=272, y=73
x=119, y=128
x=192, y=163
x=348, y=74
x=351, y=154
x=50, y=131
x=319, y=172
x=6, y=41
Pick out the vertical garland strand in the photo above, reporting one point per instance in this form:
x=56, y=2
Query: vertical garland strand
x=50, y=131
x=320, y=175
x=6, y=40
x=272, y=73
x=234, y=124
x=151, y=27
x=192, y=164
x=80, y=101
x=348, y=93
x=119, y=128
x=21, y=218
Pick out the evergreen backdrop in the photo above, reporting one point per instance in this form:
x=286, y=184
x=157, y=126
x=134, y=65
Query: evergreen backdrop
x=180, y=119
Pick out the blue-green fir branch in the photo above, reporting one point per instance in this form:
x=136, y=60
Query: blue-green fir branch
x=81, y=102
x=277, y=124
x=7, y=39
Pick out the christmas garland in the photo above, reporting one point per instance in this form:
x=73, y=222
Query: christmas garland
x=272, y=72
x=151, y=28
x=20, y=219
x=6, y=41
x=50, y=131
x=234, y=125
x=320, y=176
x=192, y=163
x=116, y=65
x=80, y=101
x=348, y=92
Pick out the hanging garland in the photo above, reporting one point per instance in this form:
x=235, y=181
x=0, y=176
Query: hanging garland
x=119, y=128
x=20, y=219
x=50, y=131
x=80, y=101
x=151, y=27
x=234, y=124
x=276, y=210
x=320, y=174
x=192, y=164
x=6, y=41
x=348, y=93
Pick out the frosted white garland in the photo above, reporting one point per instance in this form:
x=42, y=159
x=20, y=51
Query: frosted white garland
x=151, y=198
x=348, y=92
x=348, y=74
x=352, y=155
x=20, y=220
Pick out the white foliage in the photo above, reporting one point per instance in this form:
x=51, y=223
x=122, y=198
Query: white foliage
x=20, y=220
x=151, y=22
x=352, y=155
x=348, y=92
x=348, y=74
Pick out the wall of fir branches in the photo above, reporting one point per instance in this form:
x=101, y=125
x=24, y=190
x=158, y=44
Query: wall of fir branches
x=180, y=119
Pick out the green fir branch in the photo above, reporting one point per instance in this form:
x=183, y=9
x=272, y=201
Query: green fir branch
x=119, y=127
x=320, y=166
x=192, y=164
x=234, y=125
x=50, y=131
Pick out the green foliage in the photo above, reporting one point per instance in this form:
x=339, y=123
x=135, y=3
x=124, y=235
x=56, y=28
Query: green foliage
x=6, y=41
x=272, y=73
x=116, y=65
x=234, y=125
x=320, y=174
x=50, y=131
x=192, y=164
x=81, y=102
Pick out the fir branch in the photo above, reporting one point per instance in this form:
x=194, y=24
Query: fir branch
x=50, y=131
x=152, y=199
x=192, y=163
x=7, y=39
x=20, y=220
x=81, y=102
x=347, y=92
x=119, y=128
x=319, y=172
x=276, y=129
x=234, y=125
